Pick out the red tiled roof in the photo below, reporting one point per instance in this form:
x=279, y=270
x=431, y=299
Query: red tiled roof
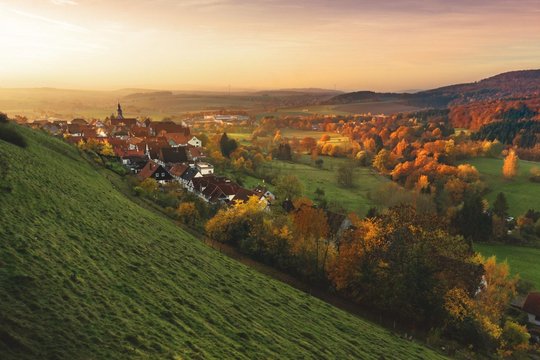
x=168, y=127
x=148, y=170
x=178, y=169
x=178, y=138
x=532, y=304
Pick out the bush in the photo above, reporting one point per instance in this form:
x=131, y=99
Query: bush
x=9, y=134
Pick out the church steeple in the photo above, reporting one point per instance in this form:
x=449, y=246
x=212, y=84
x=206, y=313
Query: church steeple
x=119, y=111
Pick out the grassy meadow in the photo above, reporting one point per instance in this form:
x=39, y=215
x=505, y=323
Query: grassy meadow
x=354, y=199
x=522, y=260
x=85, y=273
x=521, y=193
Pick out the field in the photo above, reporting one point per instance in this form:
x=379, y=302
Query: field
x=523, y=260
x=354, y=199
x=521, y=193
x=85, y=273
x=372, y=107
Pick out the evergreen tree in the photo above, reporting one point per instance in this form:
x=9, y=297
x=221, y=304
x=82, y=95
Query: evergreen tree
x=500, y=206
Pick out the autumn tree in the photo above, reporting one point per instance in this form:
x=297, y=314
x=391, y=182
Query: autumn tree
x=381, y=161
x=188, y=213
x=106, y=149
x=476, y=317
x=288, y=187
x=403, y=262
x=149, y=186
x=511, y=165
x=310, y=242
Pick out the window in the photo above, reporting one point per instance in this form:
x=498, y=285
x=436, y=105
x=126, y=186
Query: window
x=162, y=174
x=157, y=175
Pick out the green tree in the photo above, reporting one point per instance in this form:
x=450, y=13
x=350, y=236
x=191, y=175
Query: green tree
x=345, y=175
x=500, y=206
x=227, y=145
x=288, y=187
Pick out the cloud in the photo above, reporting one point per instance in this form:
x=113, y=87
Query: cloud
x=64, y=2
x=61, y=24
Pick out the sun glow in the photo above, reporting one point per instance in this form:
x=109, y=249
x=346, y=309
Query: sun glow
x=214, y=43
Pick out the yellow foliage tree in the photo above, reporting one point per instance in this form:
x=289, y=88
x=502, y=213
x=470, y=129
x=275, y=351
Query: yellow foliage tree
x=511, y=165
x=106, y=149
x=188, y=213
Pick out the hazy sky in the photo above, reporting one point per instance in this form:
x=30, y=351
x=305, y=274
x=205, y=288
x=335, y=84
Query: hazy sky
x=209, y=44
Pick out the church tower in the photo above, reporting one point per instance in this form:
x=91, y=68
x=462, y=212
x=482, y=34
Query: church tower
x=119, y=111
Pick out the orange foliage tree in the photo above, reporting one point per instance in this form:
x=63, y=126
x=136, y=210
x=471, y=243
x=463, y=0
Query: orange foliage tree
x=511, y=165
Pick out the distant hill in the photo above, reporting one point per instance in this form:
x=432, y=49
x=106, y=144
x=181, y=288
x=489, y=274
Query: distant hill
x=85, y=273
x=510, y=85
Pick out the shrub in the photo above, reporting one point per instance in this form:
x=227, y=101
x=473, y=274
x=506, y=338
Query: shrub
x=9, y=134
x=3, y=118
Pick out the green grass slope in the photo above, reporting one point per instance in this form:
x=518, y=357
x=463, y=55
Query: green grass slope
x=521, y=193
x=87, y=274
x=522, y=260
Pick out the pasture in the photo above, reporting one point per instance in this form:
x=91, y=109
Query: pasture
x=521, y=193
x=354, y=199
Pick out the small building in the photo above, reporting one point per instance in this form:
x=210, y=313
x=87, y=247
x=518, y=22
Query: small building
x=155, y=171
x=195, y=142
x=205, y=168
x=174, y=155
x=263, y=191
x=532, y=307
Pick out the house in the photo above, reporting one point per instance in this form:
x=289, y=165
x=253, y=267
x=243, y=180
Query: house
x=196, y=153
x=52, y=128
x=165, y=127
x=134, y=161
x=205, y=168
x=139, y=131
x=155, y=171
x=174, y=155
x=153, y=146
x=532, y=307
x=177, y=170
x=195, y=142
x=245, y=194
x=263, y=191
x=188, y=176
x=215, y=189
x=75, y=130
x=176, y=139
x=79, y=121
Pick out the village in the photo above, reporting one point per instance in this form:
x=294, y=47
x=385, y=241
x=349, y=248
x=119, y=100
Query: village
x=164, y=151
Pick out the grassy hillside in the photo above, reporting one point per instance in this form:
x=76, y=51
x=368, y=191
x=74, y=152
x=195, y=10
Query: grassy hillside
x=522, y=260
x=521, y=193
x=87, y=274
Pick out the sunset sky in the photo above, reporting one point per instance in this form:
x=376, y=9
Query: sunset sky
x=208, y=44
